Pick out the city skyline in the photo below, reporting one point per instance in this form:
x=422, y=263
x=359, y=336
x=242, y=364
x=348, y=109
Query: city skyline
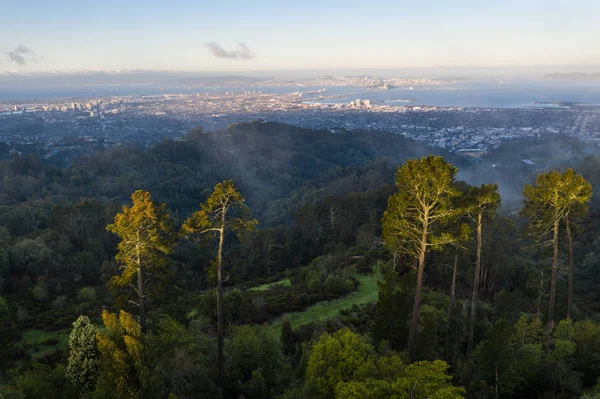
x=273, y=35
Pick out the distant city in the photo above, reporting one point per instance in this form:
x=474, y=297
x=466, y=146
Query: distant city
x=73, y=126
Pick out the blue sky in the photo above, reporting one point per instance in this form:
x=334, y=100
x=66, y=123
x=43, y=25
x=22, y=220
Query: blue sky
x=294, y=34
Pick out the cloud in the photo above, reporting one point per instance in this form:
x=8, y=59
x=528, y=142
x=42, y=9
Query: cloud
x=22, y=54
x=242, y=53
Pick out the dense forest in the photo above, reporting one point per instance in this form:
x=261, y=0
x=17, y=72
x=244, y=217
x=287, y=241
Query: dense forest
x=269, y=261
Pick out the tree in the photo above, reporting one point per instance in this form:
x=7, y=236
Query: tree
x=577, y=193
x=287, y=336
x=542, y=207
x=146, y=235
x=509, y=357
x=462, y=233
x=419, y=380
x=120, y=344
x=485, y=200
x=212, y=218
x=344, y=365
x=554, y=199
x=411, y=222
x=393, y=308
x=180, y=361
x=255, y=362
x=336, y=358
x=84, y=361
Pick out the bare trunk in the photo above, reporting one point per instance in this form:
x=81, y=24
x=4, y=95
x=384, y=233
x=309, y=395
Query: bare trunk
x=497, y=382
x=453, y=287
x=570, y=299
x=140, y=288
x=412, y=334
x=554, y=272
x=268, y=258
x=474, y=297
x=140, y=283
x=452, y=297
x=540, y=294
x=220, y=332
x=332, y=212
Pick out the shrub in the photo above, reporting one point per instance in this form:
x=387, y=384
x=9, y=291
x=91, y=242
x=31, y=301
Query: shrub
x=50, y=341
x=86, y=294
x=3, y=307
x=59, y=303
x=40, y=292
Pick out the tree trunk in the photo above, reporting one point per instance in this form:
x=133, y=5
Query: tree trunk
x=412, y=334
x=497, y=381
x=474, y=297
x=570, y=242
x=452, y=297
x=453, y=287
x=220, y=339
x=140, y=283
x=540, y=294
x=554, y=272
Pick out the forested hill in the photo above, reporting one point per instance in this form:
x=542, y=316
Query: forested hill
x=267, y=161
x=317, y=263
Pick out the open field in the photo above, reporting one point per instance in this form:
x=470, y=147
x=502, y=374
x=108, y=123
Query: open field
x=367, y=292
x=39, y=343
x=284, y=283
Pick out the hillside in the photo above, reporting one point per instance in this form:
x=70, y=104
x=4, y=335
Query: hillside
x=329, y=265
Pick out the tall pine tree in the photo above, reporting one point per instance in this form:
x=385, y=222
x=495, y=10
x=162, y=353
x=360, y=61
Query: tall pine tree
x=411, y=222
x=146, y=233
x=214, y=217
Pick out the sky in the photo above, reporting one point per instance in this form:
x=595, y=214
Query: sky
x=262, y=35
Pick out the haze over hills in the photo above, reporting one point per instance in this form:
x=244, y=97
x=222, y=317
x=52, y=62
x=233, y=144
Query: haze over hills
x=137, y=75
x=339, y=199
x=574, y=76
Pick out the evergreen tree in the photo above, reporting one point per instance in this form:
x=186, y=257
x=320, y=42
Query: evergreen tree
x=577, y=193
x=411, y=222
x=212, y=218
x=146, y=235
x=287, y=336
x=84, y=361
x=122, y=369
x=553, y=200
x=393, y=309
x=485, y=200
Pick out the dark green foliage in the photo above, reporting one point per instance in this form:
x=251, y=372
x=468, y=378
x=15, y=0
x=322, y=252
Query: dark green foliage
x=393, y=309
x=320, y=198
x=345, y=365
x=255, y=362
x=287, y=336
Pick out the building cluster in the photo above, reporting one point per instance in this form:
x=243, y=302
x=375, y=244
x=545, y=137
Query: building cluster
x=59, y=126
x=364, y=81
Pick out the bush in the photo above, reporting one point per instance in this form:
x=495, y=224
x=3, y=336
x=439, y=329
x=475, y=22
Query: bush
x=337, y=285
x=59, y=303
x=86, y=294
x=50, y=342
x=22, y=314
x=3, y=307
x=40, y=292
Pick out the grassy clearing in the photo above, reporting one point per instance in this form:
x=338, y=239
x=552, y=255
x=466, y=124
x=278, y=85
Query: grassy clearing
x=284, y=283
x=39, y=343
x=367, y=292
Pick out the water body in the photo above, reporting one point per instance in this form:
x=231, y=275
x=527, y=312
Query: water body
x=94, y=91
x=486, y=94
x=480, y=94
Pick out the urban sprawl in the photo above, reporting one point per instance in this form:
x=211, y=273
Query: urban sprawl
x=68, y=125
